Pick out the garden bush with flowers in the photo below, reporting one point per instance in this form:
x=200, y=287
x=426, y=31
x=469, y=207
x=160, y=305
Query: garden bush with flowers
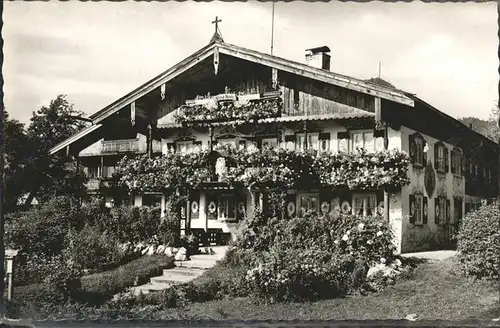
x=314, y=256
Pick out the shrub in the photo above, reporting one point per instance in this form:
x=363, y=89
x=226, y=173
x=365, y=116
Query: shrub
x=95, y=250
x=479, y=243
x=285, y=274
x=42, y=230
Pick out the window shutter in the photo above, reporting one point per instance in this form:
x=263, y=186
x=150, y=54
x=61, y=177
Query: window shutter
x=425, y=210
x=211, y=200
x=436, y=152
x=378, y=133
x=436, y=210
x=446, y=162
x=412, y=209
x=290, y=138
x=324, y=136
x=343, y=141
x=291, y=210
x=453, y=166
x=194, y=202
x=412, y=145
x=448, y=212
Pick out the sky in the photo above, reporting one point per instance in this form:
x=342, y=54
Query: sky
x=96, y=52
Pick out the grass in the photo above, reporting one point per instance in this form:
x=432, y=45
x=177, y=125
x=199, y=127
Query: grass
x=99, y=287
x=436, y=291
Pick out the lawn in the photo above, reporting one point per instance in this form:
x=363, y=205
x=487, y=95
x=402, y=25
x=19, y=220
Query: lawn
x=436, y=291
x=99, y=287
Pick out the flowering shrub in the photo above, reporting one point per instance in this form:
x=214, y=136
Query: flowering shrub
x=268, y=168
x=254, y=109
x=479, y=242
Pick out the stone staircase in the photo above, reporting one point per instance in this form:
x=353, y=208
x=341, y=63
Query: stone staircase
x=183, y=272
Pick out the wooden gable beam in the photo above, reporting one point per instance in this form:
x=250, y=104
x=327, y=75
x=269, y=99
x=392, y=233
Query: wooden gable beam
x=299, y=69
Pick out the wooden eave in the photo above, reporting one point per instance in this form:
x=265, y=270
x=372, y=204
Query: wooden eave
x=250, y=55
x=316, y=73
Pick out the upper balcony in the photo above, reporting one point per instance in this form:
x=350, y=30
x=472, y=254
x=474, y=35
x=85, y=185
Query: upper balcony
x=120, y=146
x=229, y=107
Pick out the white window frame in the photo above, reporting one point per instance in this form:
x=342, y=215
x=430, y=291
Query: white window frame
x=189, y=145
x=441, y=164
x=419, y=150
x=307, y=195
x=364, y=146
x=311, y=144
x=364, y=199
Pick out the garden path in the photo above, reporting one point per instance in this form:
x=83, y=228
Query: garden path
x=183, y=272
x=433, y=255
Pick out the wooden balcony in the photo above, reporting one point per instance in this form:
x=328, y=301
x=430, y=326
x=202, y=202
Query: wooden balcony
x=123, y=146
x=96, y=184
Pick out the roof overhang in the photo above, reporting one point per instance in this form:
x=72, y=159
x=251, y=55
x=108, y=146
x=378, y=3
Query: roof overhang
x=245, y=54
x=74, y=138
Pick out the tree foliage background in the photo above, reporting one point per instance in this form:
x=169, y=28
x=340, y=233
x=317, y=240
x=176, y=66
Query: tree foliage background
x=488, y=127
x=30, y=171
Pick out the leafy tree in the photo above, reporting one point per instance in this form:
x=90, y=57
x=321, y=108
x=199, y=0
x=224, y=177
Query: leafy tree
x=16, y=149
x=49, y=175
x=488, y=128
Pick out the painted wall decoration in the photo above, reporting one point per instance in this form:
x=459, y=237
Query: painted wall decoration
x=429, y=179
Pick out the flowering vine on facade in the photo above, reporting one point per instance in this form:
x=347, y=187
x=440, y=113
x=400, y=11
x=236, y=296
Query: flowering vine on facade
x=267, y=168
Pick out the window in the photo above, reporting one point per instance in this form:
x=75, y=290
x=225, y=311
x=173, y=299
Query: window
x=442, y=214
x=308, y=202
x=364, y=204
x=324, y=142
x=312, y=141
x=184, y=146
x=418, y=209
x=94, y=171
x=230, y=207
x=228, y=141
x=362, y=141
x=417, y=149
x=151, y=200
x=456, y=162
x=270, y=142
x=108, y=171
x=441, y=157
x=226, y=207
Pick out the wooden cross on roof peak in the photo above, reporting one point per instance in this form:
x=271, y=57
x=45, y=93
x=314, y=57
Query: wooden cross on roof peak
x=216, y=22
x=217, y=35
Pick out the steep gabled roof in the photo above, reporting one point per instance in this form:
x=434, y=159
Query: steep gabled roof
x=253, y=56
x=258, y=57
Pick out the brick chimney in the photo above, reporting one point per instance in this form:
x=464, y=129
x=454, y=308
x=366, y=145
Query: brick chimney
x=318, y=57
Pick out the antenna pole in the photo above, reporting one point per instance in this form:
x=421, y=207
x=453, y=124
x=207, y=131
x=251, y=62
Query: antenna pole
x=272, y=31
x=379, y=68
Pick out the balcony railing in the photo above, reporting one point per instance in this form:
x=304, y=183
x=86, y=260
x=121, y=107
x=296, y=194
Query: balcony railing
x=121, y=146
x=93, y=184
